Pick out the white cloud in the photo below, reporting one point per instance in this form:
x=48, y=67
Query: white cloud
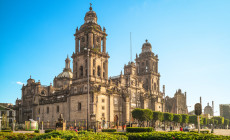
x=19, y=83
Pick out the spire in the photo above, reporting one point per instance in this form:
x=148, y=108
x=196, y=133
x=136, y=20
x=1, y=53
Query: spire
x=67, y=62
x=90, y=8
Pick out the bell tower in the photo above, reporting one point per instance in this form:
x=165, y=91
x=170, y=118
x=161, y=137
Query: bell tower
x=90, y=38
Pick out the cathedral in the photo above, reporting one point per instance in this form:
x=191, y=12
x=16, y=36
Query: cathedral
x=111, y=99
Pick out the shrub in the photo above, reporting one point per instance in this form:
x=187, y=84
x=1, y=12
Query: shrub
x=174, y=135
x=203, y=131
x=69, y=135
x=109, y=130
x=139, y=129
x=6, y=128
x=17, y=136
x=6, y=131
x=48, y=130
x=36, y=131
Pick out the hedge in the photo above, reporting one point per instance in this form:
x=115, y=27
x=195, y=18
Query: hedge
x=203, y=131
x=17, y=136
x=174, y=135
x=139, y=129
x=6, y=131
x=109, y=130
x=36, y=131
x=48, y=130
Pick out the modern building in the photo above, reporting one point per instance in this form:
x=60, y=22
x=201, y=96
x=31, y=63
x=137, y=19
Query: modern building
x=225, y=111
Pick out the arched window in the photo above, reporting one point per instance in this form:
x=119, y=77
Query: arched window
x=155, y=86
x=81, y=71
x=94, y=62
x=98, y=71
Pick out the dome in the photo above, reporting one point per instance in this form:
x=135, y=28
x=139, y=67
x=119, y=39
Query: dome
x=65, y=74
x=146, y=47
x=91, y=16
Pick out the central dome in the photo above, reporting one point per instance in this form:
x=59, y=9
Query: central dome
x=65, y=74
x=146, y=47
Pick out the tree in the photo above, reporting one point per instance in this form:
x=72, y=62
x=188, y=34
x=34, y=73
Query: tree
x=220, y=120
x=168, y=117
x=138, y=114
x=205, y=121
x=193, y=120
x=210, y=121
x=148, y=115
x=177, y=118
x=157, y=116
x=226, y=122
x=185, y=118
x=142, y=115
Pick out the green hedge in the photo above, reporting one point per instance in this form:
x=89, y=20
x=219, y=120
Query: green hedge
x=203, y=131
x=17, y=136
x=69, y=135
x=139, y=129
x=48, y=130
x=36, y=131
x=6, y=131
x=174, y=135
x=109, y=130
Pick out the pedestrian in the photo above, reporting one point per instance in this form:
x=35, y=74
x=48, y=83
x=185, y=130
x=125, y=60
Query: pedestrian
x=181, y=129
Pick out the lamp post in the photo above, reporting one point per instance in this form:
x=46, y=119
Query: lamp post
x=87, y=87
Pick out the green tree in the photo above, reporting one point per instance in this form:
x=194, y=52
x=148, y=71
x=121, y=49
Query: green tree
x=138, y=114
x=220, y=120
x=193, y=120
x=168, y=117
x=205, y=121
x=177, y=118
x=210, y=121
x=157, y=116
x=185, y=119
x=226, y=122
x=148, y=115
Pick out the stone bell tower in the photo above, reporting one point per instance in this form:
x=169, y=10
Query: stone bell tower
x=90, y=37
x=147, y=71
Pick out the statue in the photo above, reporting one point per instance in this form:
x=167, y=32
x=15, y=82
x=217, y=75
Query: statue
x=60, y=125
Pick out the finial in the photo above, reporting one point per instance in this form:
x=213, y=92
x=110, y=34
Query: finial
x=90, y=8
x=30, y=76
x=146, y=40
x=67, y=56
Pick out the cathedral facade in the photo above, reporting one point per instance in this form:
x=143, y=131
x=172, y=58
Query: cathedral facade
x=111, y=99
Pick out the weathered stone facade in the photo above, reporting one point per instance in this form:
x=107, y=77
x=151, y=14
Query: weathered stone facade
x=176, y=104
x=111, y=99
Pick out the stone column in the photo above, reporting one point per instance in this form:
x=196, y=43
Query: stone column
x=104, y=45
x=94, y=41
x=100, y=44
x=90, y=40
x=111, y=105
x=127, y=110
x=76, y=45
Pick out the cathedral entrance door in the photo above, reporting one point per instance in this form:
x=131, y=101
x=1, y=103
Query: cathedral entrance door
x=116, y=121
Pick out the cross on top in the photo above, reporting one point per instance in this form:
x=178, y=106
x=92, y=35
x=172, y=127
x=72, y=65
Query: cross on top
x=90, y=8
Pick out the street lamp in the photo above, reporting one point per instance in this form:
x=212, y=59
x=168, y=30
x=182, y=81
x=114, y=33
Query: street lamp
x=87, y=87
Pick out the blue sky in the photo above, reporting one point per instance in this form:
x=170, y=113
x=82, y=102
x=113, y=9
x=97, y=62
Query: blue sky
x=191, y=38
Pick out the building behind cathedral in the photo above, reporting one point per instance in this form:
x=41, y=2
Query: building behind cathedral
x=111, y=98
